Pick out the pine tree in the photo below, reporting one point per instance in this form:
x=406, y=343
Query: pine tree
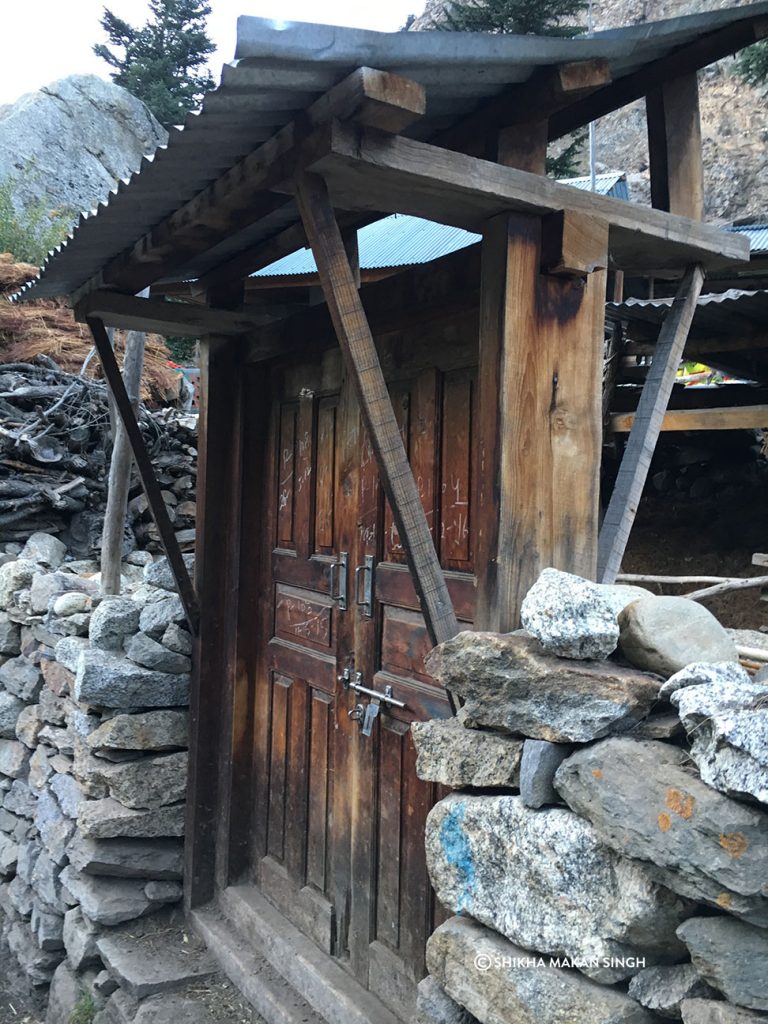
x=163, y=62
x=752, y=64
x=519, y=17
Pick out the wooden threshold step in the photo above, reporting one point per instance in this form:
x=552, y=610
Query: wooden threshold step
x=267, y=991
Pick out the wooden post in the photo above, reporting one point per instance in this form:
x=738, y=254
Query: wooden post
x=120, y=471
x=362, y=360
x=641, y=445
x=674, y=147
x=524, y=146
x=539, y=417
x=146, y=473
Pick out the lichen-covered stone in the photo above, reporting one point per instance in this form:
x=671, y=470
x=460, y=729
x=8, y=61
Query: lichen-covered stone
x=500, y=983
x=546, y=881
x=664, y=634
x=731, y=956
x=727, y=724
x=645, y=804
x=570, y=617
x=110, y=680
x=509, y=683
x=452, y=755
x=663, y=989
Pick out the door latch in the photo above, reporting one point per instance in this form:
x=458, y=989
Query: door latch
x=366, y=570
x=339, y=567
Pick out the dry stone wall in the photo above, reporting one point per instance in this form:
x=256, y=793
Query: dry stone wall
x=605, y=846
x=93, y=765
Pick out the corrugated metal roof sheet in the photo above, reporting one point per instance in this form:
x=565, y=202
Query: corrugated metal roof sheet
x=716, y=313
x=757, y=235
x=403, y=241
x=282, y=68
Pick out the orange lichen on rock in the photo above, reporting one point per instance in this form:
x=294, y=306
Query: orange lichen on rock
x=597, y=772
x=665, y=822
x=735, y=843
x=680, y=803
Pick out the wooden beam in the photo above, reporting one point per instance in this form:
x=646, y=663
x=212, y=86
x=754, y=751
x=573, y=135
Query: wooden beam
x=573, y=244
x=700, y=345
x=674, y=147
x=157, y=317
x=682, y=61
x=367, y=170
x=638, y=453
x=539, y=430
x=241, y=196
x=362, y=360
x=744, y=417
x=524, y=146
x=146, y=473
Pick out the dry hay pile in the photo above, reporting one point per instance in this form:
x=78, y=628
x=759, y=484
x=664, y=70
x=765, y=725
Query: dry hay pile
x=46, y=327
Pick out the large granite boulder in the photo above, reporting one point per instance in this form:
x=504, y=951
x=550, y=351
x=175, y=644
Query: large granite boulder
x=731, y=956
x=545, y=881
x=499, y=983
x=70, y=142
x=453, y=755
x=509, y=683
x=570, y=616
x=664, y=634
x=110, y=680
x=122, y=735
x=644, y=802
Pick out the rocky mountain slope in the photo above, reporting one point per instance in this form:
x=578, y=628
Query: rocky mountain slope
x=734, y=119
x=68, y=143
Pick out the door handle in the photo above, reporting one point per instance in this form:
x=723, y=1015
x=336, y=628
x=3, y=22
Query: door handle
x=339, y=566
x=366, y=570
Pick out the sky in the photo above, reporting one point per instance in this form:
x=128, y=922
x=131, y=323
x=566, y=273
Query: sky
x=42, y=40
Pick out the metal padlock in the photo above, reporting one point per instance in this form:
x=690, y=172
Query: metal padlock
x=371, y=714
x=356, y=713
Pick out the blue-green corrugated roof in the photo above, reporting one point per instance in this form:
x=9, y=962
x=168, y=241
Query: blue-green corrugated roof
x=757, y=234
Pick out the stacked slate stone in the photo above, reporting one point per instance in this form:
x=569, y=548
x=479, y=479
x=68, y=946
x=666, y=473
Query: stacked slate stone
x=93, y=758
x=605, y=849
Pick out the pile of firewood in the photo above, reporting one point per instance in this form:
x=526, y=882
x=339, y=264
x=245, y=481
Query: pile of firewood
x=56, y=432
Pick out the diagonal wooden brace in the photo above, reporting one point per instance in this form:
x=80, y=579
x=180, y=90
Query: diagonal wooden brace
x=147, y=474
x=362, y=360
x=647, y=425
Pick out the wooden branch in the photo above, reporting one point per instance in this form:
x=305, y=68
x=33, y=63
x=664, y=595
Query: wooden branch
x=240, y=196
x=157, y=317
x=752, y=653
x=641, y=577
x=745, y=417
x=362, y=360
x=727, y=587
x=367, y=170
x=147, y=474
x=654, y=399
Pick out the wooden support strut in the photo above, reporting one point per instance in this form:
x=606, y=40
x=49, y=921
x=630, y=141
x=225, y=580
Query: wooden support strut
x=361, y=357
x=649, y=418
x=146, y=472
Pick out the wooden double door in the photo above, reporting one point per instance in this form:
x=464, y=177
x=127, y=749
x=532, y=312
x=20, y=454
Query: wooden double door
x=340, y=813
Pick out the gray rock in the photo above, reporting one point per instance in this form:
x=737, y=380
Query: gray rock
x=40, y=767
x=21, y=897
x=525, y=873
x=701, y=673
x=500, y=983
x=20, y=799
x=110, y=680
x=71, y=604
x=108, y=819
x=47, y=927
x=10, y=709
x=27, y=858
x=9, y=854
x=46, y=881
x=14, y=576
x=120, y=1008
x=149, y=783
x=538, y=766
x=63, y=995
x=28, y=725
x=509, y=684
x=148, y=731
x=109, y=901
x=52, y=709
x=727, y=724
x=435, y=1006
x=55, y=828
x=69, y=793
x=105, y=984
x=161, y=859
x=133, y=961
x=159, y=574
x=36, y=963
x=44, y=549
x=79, y=936
x=173, y=1007
x=115, y=619
x=47, y=586
x=177, y=639
x=570, y=617
x=159, y=615
x=21, y=678
x=731, y=956
x=454, y=756
x=68, y=651
x=657, y=727
x=10, y=635
x=14, y=758
x=664, y=634
x=706, y=1011
x=644, y=804
x=92, y=127
x=148, y=652
x=663, y=989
